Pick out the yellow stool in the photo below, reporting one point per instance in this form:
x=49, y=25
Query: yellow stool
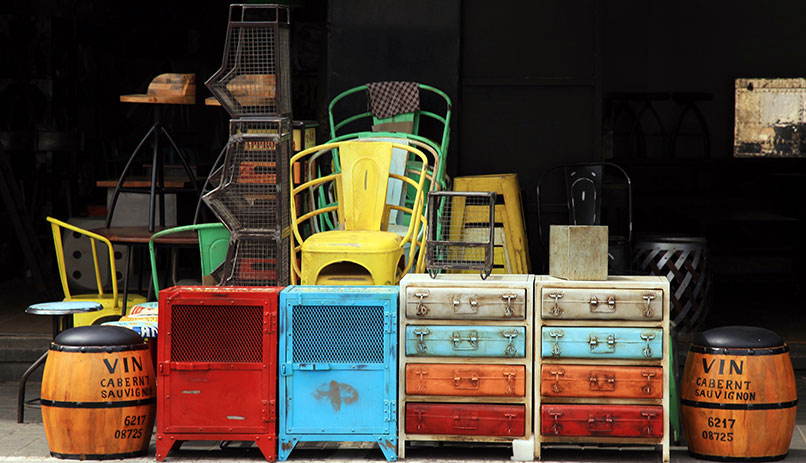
x=511, y=253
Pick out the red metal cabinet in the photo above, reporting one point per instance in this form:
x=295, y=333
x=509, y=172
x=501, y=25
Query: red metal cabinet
x=601, y=420
x=217, y=366
x=465, y=419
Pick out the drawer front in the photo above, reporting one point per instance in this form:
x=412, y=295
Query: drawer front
x=601, y=342
x=601, y=420
x=466, y=341
x=466, y=303
x=601, y=304
x=465, y=380
x=465, y=419
x=601, y=381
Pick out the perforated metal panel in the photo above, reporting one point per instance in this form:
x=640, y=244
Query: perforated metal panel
x=216, y=333
x=337, y=334
x=255, y=73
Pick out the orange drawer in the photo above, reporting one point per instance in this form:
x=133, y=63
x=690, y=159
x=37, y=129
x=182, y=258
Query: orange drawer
x=601, y=381
x=465, y=380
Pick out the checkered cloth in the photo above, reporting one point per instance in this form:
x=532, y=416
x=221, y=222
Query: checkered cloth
x=387, y=99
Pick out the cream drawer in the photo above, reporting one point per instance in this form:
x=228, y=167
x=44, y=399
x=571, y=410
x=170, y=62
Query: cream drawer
x=608, y=304
x=466, y=303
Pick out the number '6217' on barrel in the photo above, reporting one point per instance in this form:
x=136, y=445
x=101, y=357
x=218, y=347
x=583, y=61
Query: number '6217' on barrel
x=738, y=397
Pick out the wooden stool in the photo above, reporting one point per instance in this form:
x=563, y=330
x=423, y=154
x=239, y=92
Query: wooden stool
x=57, y=310
x=164, y=89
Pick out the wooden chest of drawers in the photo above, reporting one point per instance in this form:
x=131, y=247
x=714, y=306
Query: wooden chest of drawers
x=466, y=358
x=602, y=361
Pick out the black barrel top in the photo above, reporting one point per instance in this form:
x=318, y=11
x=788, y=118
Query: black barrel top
x=98, y=336
x=738, y=337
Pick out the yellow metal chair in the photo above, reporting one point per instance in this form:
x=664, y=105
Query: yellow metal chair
x=362, y=250
x=112, y=302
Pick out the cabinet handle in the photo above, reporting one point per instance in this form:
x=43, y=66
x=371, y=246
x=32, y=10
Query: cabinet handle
x=647, y=336
x=556, y=427
x=648, y=429
x=610, y=306
x=648, y=310
x=556, y=334
x=422, y=310
x=508, y=312
x=648, y=375
x=556, y=310
x=471, y=376
x=602, y=424
x=421, y=332
x=469, y=422
x=472, y=339
x=510, y=387
x=510, y=335
x=556, y=386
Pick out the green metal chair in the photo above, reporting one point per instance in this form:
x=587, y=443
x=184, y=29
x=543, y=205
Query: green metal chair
x=213, y=245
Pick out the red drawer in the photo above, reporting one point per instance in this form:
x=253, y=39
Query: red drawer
x=601, y=420
x=465, y=419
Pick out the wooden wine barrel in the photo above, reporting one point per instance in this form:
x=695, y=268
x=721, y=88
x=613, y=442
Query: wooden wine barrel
x=738, y=396
x=98, y=394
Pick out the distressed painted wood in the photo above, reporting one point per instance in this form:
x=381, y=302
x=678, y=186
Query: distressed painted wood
x=466, y=419
x=465, y=303
x=578, y=252
x=484, y=315
x=769, y=117
x=452, y=379
x=602, y=420
x=602, y=342
x=465, y=341
x=601, y=304
x=579, y=318
x=564, y=380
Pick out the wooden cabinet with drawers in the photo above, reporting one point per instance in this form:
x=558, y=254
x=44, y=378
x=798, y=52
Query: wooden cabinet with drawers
x=466, y=358
x=602, y=361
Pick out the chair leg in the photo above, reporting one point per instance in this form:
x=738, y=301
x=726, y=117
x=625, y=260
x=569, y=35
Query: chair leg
x=123, y=175
x=23, y=380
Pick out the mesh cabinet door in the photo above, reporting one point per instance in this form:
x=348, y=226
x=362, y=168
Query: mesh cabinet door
x=338, y=374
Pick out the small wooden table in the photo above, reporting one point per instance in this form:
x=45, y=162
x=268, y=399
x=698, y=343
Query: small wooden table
x=140, y=236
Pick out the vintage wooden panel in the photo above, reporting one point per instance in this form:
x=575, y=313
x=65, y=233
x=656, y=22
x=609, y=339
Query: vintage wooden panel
x=602, y=342
x=465, y=419
x=601, y=381
x=604, y=303
x=459, y=302
x=465, y=341
x=465, y=380
x=770, y=120
x=601, y=420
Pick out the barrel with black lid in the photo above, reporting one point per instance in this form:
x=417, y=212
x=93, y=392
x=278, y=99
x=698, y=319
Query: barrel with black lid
x=98, y=394
x=738, y=397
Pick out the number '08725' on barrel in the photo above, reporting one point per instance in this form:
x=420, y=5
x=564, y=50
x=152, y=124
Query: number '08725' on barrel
x=738, y=395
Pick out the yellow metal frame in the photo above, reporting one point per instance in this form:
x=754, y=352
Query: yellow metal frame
x=414, y=235
x=112, y=302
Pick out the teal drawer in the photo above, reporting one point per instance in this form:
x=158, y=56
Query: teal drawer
x=466, y=341
x=597, y=342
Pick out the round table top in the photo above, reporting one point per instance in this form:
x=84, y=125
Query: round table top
x=64, y=307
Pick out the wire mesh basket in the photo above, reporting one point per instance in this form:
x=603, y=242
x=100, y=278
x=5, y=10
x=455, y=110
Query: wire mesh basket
x=252, y=192
x=461, y=230
x=257, y=260
x=255, y=73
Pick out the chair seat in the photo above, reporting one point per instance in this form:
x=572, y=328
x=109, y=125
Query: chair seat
x=64, y=307
x=362, y=241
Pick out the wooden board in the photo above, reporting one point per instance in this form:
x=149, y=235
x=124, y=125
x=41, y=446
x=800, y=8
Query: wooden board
x=167, y=89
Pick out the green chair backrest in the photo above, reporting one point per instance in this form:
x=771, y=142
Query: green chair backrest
x=213, y=244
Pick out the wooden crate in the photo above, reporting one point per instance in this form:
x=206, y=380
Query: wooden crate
x=578, y=252
x=461, y=388
x=633, y=303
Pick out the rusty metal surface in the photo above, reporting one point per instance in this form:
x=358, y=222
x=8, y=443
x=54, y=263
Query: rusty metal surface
x=770, y=118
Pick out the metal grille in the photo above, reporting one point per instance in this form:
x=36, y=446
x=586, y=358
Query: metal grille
x=337, y=334
x=255, y=74
x=258, y=261
x=217, y=333
x=253, y=195
x=461, y=228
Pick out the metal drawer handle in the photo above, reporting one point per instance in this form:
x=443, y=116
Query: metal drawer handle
x=611, y=304
x=649, y=428
x=471, y=376
x=593, y=342
x=601, y=424
x=510, y=374
x=648, y=310
x=510, y=335
x=421, y=332
x=422, y=310
x=470, y=422
x=647, y=336
x=420, y=412
x=556, y=386
x=608, y=385
x=648, y=375
x=509, y=417
x=420, y=383
x=556, y=334
x=472, y=339
x=556, y=310
x=508, y=312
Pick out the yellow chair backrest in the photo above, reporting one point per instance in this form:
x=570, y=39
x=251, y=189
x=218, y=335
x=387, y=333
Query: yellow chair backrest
x=362, y=184
x=56, y=226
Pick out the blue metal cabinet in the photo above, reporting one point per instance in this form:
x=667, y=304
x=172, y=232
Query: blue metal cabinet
x=465, y=341
x=598, y=342
x=338, y=366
